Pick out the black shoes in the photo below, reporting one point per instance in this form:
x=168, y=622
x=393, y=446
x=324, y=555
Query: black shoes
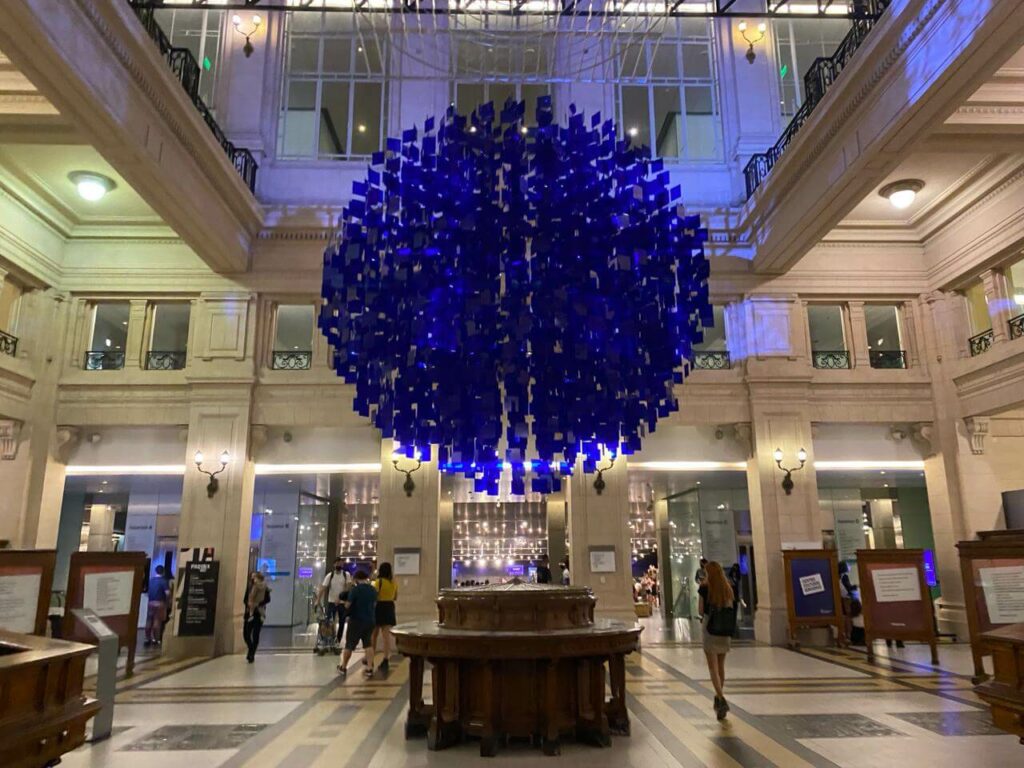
x=383, y=666
x=721, y=707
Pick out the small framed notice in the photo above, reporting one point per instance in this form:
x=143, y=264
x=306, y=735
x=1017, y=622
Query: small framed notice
x=407, y=562
x=602, y=559
x=811, y=585
x=896, y=585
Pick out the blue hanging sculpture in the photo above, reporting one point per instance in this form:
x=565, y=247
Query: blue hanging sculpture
x=517, y=296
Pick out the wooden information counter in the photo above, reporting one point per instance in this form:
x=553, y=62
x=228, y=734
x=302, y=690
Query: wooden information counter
x=42, y=709
x=517, y=661
x=1004, y=693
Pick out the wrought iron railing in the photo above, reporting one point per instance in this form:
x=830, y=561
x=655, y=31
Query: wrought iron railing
x=186, y=70
x=831, y=359
x=8, y=344
x=711, y=361
x=888, y=358
x=1017, y=327
x=290, y=360
x=981, y=342
x=104, y=361
x=817, y=80
x=165, y=361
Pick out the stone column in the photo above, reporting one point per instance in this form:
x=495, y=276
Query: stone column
x=997, y=294
x=138, y=334
x=776, y=519
x=555, y=507
x=858, y=341
x=602, y=521
x=101, y=528
x=219, y=417
x=411, y=523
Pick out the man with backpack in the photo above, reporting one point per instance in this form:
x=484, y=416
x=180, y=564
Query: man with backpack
x=335, y=587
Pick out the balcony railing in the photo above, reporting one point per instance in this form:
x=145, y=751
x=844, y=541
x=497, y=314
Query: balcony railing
x=165, y=361
x=1017, y=327
x=8, y=344
x=290, y=360
x=186, y=70
x=104, y=361
x=888, y=358
x=818, y=79
x=831, y=359
x=711, y=361
x=981, y=342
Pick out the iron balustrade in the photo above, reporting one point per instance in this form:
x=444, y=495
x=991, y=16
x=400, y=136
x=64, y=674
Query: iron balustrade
x=104, y=361
x=1017, y=327
x=888, y=358
x=186, y=70
x=981, y=342
x=165, y=361
x=290, y=360
x=8, y=344
x=831, y=359
x=711, y=361
x=818, y=79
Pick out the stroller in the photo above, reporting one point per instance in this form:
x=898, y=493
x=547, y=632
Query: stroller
x=326, y=641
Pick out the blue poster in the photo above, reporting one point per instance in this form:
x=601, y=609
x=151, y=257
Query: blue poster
x=812, y=587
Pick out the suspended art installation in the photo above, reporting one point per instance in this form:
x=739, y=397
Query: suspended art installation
x=517, y=295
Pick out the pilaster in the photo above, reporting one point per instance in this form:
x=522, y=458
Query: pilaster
x=858, y=341
x=997, y=295
x=138, y=332
x=602, y=521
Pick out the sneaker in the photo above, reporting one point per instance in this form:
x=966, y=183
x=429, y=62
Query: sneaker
x=368, y=674
x=342, y=671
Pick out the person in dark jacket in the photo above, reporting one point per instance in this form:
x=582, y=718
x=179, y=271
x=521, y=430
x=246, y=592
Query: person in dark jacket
x=543, y=570
x=361, y=609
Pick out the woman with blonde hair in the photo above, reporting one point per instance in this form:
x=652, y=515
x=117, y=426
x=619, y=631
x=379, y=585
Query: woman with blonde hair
x=717, y=608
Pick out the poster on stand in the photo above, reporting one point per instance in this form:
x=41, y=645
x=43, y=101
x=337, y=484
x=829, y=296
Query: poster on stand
x=812, y=590
x=26, y=578
x=897, y=604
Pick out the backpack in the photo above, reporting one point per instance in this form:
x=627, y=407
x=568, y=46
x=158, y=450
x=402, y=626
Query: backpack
x=266, y=600
x=721, y=620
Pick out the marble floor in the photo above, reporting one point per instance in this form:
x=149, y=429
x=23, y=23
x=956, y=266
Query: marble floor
x=816, y=707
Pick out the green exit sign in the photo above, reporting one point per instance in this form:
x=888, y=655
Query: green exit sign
x=207, y=64
x=782, y=70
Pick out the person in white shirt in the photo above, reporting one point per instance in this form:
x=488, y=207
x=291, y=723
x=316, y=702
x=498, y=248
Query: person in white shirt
x=335, y=588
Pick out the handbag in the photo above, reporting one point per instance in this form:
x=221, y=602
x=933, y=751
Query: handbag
x=721, y=620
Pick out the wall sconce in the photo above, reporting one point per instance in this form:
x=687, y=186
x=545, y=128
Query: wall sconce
x=214, y=484
x=236, y=22
x=751, y=39
x=787, y=481
x=408, y=486
x=599, y=483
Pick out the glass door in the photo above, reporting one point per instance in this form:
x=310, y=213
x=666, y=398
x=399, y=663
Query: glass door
x=684, y=552
x=310, y=555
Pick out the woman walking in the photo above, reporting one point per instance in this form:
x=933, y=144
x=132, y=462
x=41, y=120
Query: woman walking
x=384, y=617
x=256, y=598
x=718, y=611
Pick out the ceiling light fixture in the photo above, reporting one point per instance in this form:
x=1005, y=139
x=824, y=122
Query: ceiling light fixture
x=901, y=193
x=91, y=186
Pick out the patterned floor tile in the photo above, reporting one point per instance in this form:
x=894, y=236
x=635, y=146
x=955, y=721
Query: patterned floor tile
x=953, y=723
x=194, y=737
x=825, y=726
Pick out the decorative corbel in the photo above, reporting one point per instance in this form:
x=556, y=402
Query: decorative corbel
x=977, y=430
x=66, y=440
x=923, y=433
x=10, y=430
x=744, y=435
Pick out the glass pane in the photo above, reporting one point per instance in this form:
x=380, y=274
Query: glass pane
x=695, y=28
x=294, y=328
x=1015, y=274
x=535, y=58
x=499, y=93
x=299, y=120
x=369, y=58
x=883, y=327
x=685, y=547
x=306, y=22
x=337, y=54
x=700, y=122
x=696, y=60
x=170, y=327
x=714, y=337
x=977, y=308
x=667, y=121
x=366, y=122
x=635, y=115
x=468, y=96
x=631, y=60
x=304, y=54
x=826, y=325
x=333, y=119
x=110, y=327
x=798, y=42
x=530, y=95
x=310, y=556
x=663, y=60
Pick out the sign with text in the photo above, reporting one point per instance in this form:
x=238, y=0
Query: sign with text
x=895, y=597
x=812, y=590
x=1003, y=588
x=199, y=599
x=602, y=559
x=407, y=562
x=26, y=578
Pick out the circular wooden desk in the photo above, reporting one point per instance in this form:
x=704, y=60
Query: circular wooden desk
x=517, y=661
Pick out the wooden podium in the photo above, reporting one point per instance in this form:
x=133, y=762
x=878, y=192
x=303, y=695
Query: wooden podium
x=1004, y=693
x=895, y=596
